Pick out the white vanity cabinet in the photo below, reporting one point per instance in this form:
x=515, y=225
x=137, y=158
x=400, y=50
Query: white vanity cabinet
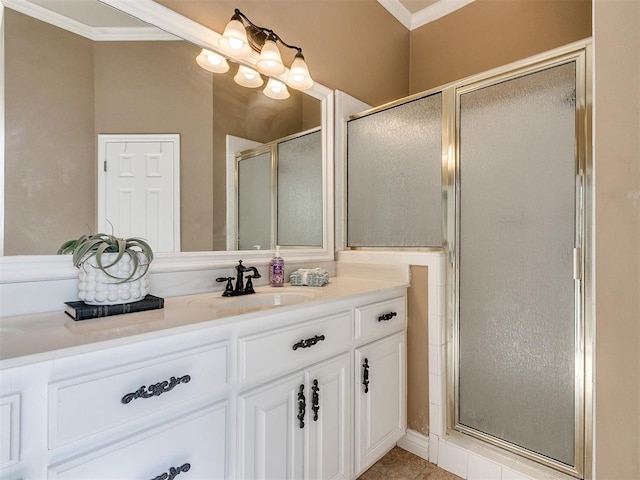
x=297, y=427
x=273, y=394
x=380, y=386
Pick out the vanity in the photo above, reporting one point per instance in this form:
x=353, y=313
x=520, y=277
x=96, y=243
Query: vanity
x=296, y=383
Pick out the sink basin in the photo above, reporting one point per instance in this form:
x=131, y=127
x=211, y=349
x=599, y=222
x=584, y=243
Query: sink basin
x=253, y=302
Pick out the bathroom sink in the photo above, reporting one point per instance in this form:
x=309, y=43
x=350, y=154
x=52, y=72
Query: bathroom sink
x=253, y=302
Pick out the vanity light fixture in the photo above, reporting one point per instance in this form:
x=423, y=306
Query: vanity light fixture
x=241, y=36
x=212, y=61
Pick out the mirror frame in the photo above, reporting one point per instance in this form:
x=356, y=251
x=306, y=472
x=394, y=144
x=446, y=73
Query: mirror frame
x=31, y=268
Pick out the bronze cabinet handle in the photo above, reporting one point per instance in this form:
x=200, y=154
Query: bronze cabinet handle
x=173, y=472
x=387, y=316
x=309, y=342
x=315, y=400
x=365, y=375
x=302, y=406
x=156, y=389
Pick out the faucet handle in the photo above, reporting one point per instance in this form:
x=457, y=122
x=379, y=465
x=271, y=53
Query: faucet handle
x=228, y=289
x=248, y=288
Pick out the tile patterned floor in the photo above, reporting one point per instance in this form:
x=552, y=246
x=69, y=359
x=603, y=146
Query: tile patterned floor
x=399, y=464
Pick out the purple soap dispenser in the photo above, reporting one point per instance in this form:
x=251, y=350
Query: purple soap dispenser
x=276, y=270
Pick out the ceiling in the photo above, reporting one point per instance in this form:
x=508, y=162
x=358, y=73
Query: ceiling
x=88, y=18
x=415, y=13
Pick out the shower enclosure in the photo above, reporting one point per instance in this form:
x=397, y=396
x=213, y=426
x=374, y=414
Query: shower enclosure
x=519, y=234
x=496, y=169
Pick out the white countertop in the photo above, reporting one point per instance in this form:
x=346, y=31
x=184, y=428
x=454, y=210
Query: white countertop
x=27, y=339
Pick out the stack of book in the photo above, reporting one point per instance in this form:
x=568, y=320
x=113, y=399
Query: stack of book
x=82, y=311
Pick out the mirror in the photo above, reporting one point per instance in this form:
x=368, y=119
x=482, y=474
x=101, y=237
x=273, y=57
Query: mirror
x=279, y=194
x=63, y=89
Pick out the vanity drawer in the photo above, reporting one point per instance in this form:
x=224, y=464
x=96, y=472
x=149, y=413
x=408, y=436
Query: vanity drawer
x=193, y=445
x=379, y=319
x=280, y=351
x=86, y=404
x=9, y=430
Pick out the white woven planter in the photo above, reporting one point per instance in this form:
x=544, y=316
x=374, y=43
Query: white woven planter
x=97, y=288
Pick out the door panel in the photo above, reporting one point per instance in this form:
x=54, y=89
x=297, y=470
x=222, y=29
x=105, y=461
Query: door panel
x=139, y=183
x=271, y=440
x=517, y=231
x=329, y=439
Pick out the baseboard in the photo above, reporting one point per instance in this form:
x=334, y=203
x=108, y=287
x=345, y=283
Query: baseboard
x=416, y=443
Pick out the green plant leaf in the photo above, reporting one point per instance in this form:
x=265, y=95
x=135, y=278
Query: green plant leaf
x=98, y=244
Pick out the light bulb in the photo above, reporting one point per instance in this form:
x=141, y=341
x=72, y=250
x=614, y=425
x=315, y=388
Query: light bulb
x=276, y=90
x=212, y=62
x=234, y=39
x=299, y=77
x=247, y=77
x=270, y=61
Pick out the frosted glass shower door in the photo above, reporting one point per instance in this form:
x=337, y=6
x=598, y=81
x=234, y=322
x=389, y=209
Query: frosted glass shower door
x=300, y=191
x=517, y=297
x=255, y=203
x=394, y=176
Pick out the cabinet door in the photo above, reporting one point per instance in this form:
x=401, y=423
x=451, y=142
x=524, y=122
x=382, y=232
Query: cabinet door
x=270, y=434
x=380, y=398
x=329, y=420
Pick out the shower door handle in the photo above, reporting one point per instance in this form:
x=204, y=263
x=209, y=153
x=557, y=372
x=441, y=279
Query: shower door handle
x=577, y=263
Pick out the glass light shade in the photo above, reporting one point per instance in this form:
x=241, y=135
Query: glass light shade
x=299, y=77
x=270, y=61
x=212, y=62
x=234, y=39
x=276, y=90
x=247, y=77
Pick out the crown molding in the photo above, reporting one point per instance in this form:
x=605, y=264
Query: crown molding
x=398, y=10
x=98, y=34
x=436, y=11
x=424, y=16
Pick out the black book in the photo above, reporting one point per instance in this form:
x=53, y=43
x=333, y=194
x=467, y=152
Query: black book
x=81, y=311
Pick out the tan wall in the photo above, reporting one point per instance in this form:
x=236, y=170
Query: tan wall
x=490, y=33
x=418, y=352
x=617, y=171
x=354, y=46
x=47, y=160
x=152, y=87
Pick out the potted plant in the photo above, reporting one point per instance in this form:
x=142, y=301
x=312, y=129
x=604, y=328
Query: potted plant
x=112, y=270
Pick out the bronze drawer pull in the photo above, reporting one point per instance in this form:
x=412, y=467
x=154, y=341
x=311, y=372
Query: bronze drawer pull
x=387, y=316
x=309, y=342
x=173, y=472
x=156, y=389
